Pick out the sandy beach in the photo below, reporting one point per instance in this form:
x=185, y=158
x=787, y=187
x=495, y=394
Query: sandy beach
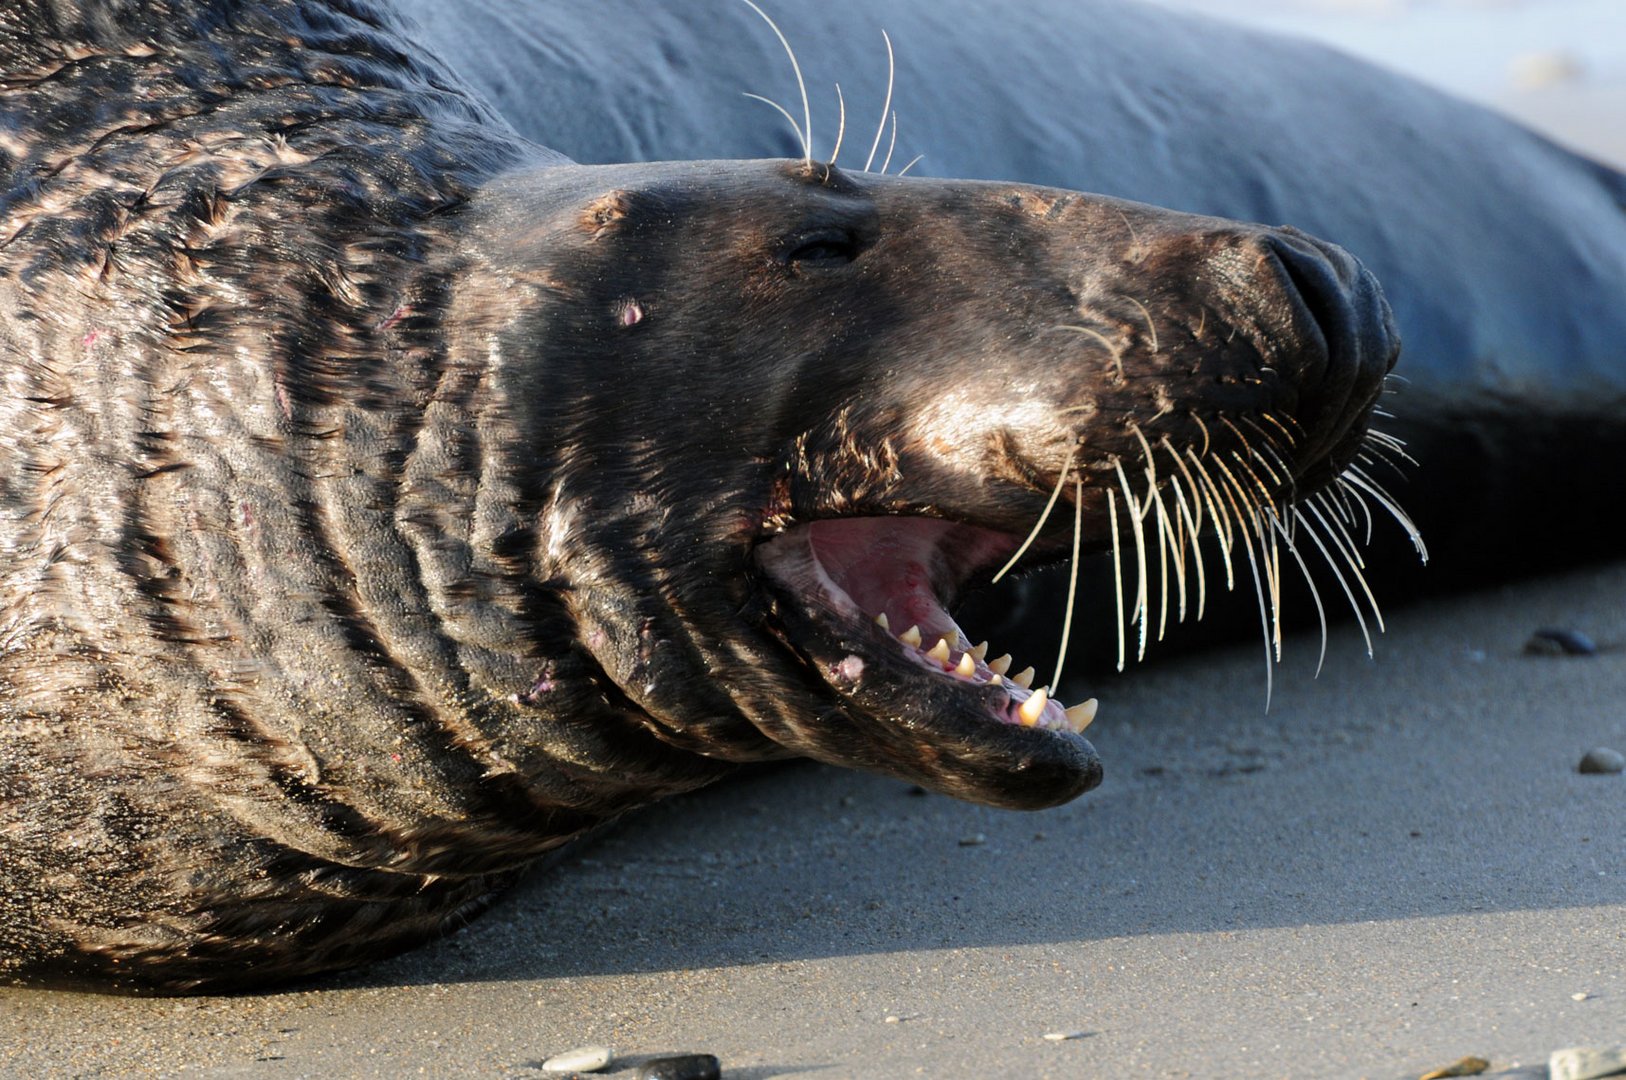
x=1396, y=866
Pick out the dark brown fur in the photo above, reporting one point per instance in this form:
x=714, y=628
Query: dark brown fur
x=380, y=491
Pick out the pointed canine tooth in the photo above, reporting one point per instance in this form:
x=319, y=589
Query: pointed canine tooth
x=1002, y=665
x=940, y=651
x=1023, y=678
x=1082, y=714
x=996, y=679
x=880, y=620
x=911, y=637
x=966, y=668
x=979, y=651
x=1031, y=709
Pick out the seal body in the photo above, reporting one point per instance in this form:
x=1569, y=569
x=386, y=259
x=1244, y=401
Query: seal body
x=387, y=499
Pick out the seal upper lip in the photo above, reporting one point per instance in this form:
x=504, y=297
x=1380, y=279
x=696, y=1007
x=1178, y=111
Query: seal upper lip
x=881, y=582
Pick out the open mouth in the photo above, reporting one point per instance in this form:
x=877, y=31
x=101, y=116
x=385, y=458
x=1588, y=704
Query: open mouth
x=882, y=587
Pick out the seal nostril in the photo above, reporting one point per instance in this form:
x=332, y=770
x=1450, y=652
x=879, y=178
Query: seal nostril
x=1319, y=289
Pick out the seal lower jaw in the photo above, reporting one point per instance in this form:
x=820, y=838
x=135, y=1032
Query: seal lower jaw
x=846, y=585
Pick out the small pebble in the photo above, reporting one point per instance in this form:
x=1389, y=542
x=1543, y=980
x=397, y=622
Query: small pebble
x=893, y=1020
x=581, y=1059
x=1065, y=1036
x=1602, y=760
x=1582, y=996
x=1468, y=1066
x=1558, y=641
x=973, y=840
x=1586, y=1062
x=680, y=1067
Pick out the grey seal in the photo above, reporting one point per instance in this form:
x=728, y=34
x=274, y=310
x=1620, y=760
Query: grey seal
x=388, y=499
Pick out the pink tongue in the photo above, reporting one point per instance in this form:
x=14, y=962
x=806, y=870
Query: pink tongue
x=885, y=569
x=862, y=568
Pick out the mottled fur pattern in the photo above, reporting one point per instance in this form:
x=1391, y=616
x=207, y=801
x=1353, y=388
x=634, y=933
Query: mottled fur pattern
x=380, y=492
x=240, y=465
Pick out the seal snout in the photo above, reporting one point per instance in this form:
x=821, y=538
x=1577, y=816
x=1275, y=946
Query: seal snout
x=1340, y=376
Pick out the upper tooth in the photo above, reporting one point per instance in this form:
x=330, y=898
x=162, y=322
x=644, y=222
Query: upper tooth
x=1033, y=707
x=1002, y=665
x=880, y=620
x=1023, y=678
x=995, y=679
x=979, y=651
x=911, y=637
x=967, y=667
x=1081, y=714
x=940, y=651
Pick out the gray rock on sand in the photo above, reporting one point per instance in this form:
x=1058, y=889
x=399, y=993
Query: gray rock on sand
x=1602, y=760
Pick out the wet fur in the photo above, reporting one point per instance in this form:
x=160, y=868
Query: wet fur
x=379, y=488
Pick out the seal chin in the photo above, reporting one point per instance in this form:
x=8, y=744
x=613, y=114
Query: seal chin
x=865, y=600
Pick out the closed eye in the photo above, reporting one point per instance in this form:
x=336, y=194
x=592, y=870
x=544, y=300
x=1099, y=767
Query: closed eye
x=824, y=249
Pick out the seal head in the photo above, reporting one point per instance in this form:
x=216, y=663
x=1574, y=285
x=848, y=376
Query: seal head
x=849, y=397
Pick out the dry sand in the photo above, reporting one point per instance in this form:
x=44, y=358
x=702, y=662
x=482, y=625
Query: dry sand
x=1397, y=866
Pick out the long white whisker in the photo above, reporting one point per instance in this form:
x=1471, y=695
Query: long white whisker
x=1315, y=593
x=1222, y=522
x=886, y=108
x=1155, y=498
x=1066, y=466
x=782, y=112
x=841, y=125
x=1351, y=549
x=806, y=130
x=891, y=145
x=1341, y=540
x=1197, y=523
x=1337, y=572
x=1072, y=583
x=1360, y=480
x=1133, y=504
x=1264, y=619
x=1117, y=570
x=1376, y=453
x=912, y=163
x=1398, y=445
x=1164, y=543
x=1270, y=623
x=1352, y=495
x=1261, y=496
x=1190, y=529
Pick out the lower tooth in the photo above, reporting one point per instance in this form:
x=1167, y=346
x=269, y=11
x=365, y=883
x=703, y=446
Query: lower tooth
x=1031, y=709
x=1082, y=714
